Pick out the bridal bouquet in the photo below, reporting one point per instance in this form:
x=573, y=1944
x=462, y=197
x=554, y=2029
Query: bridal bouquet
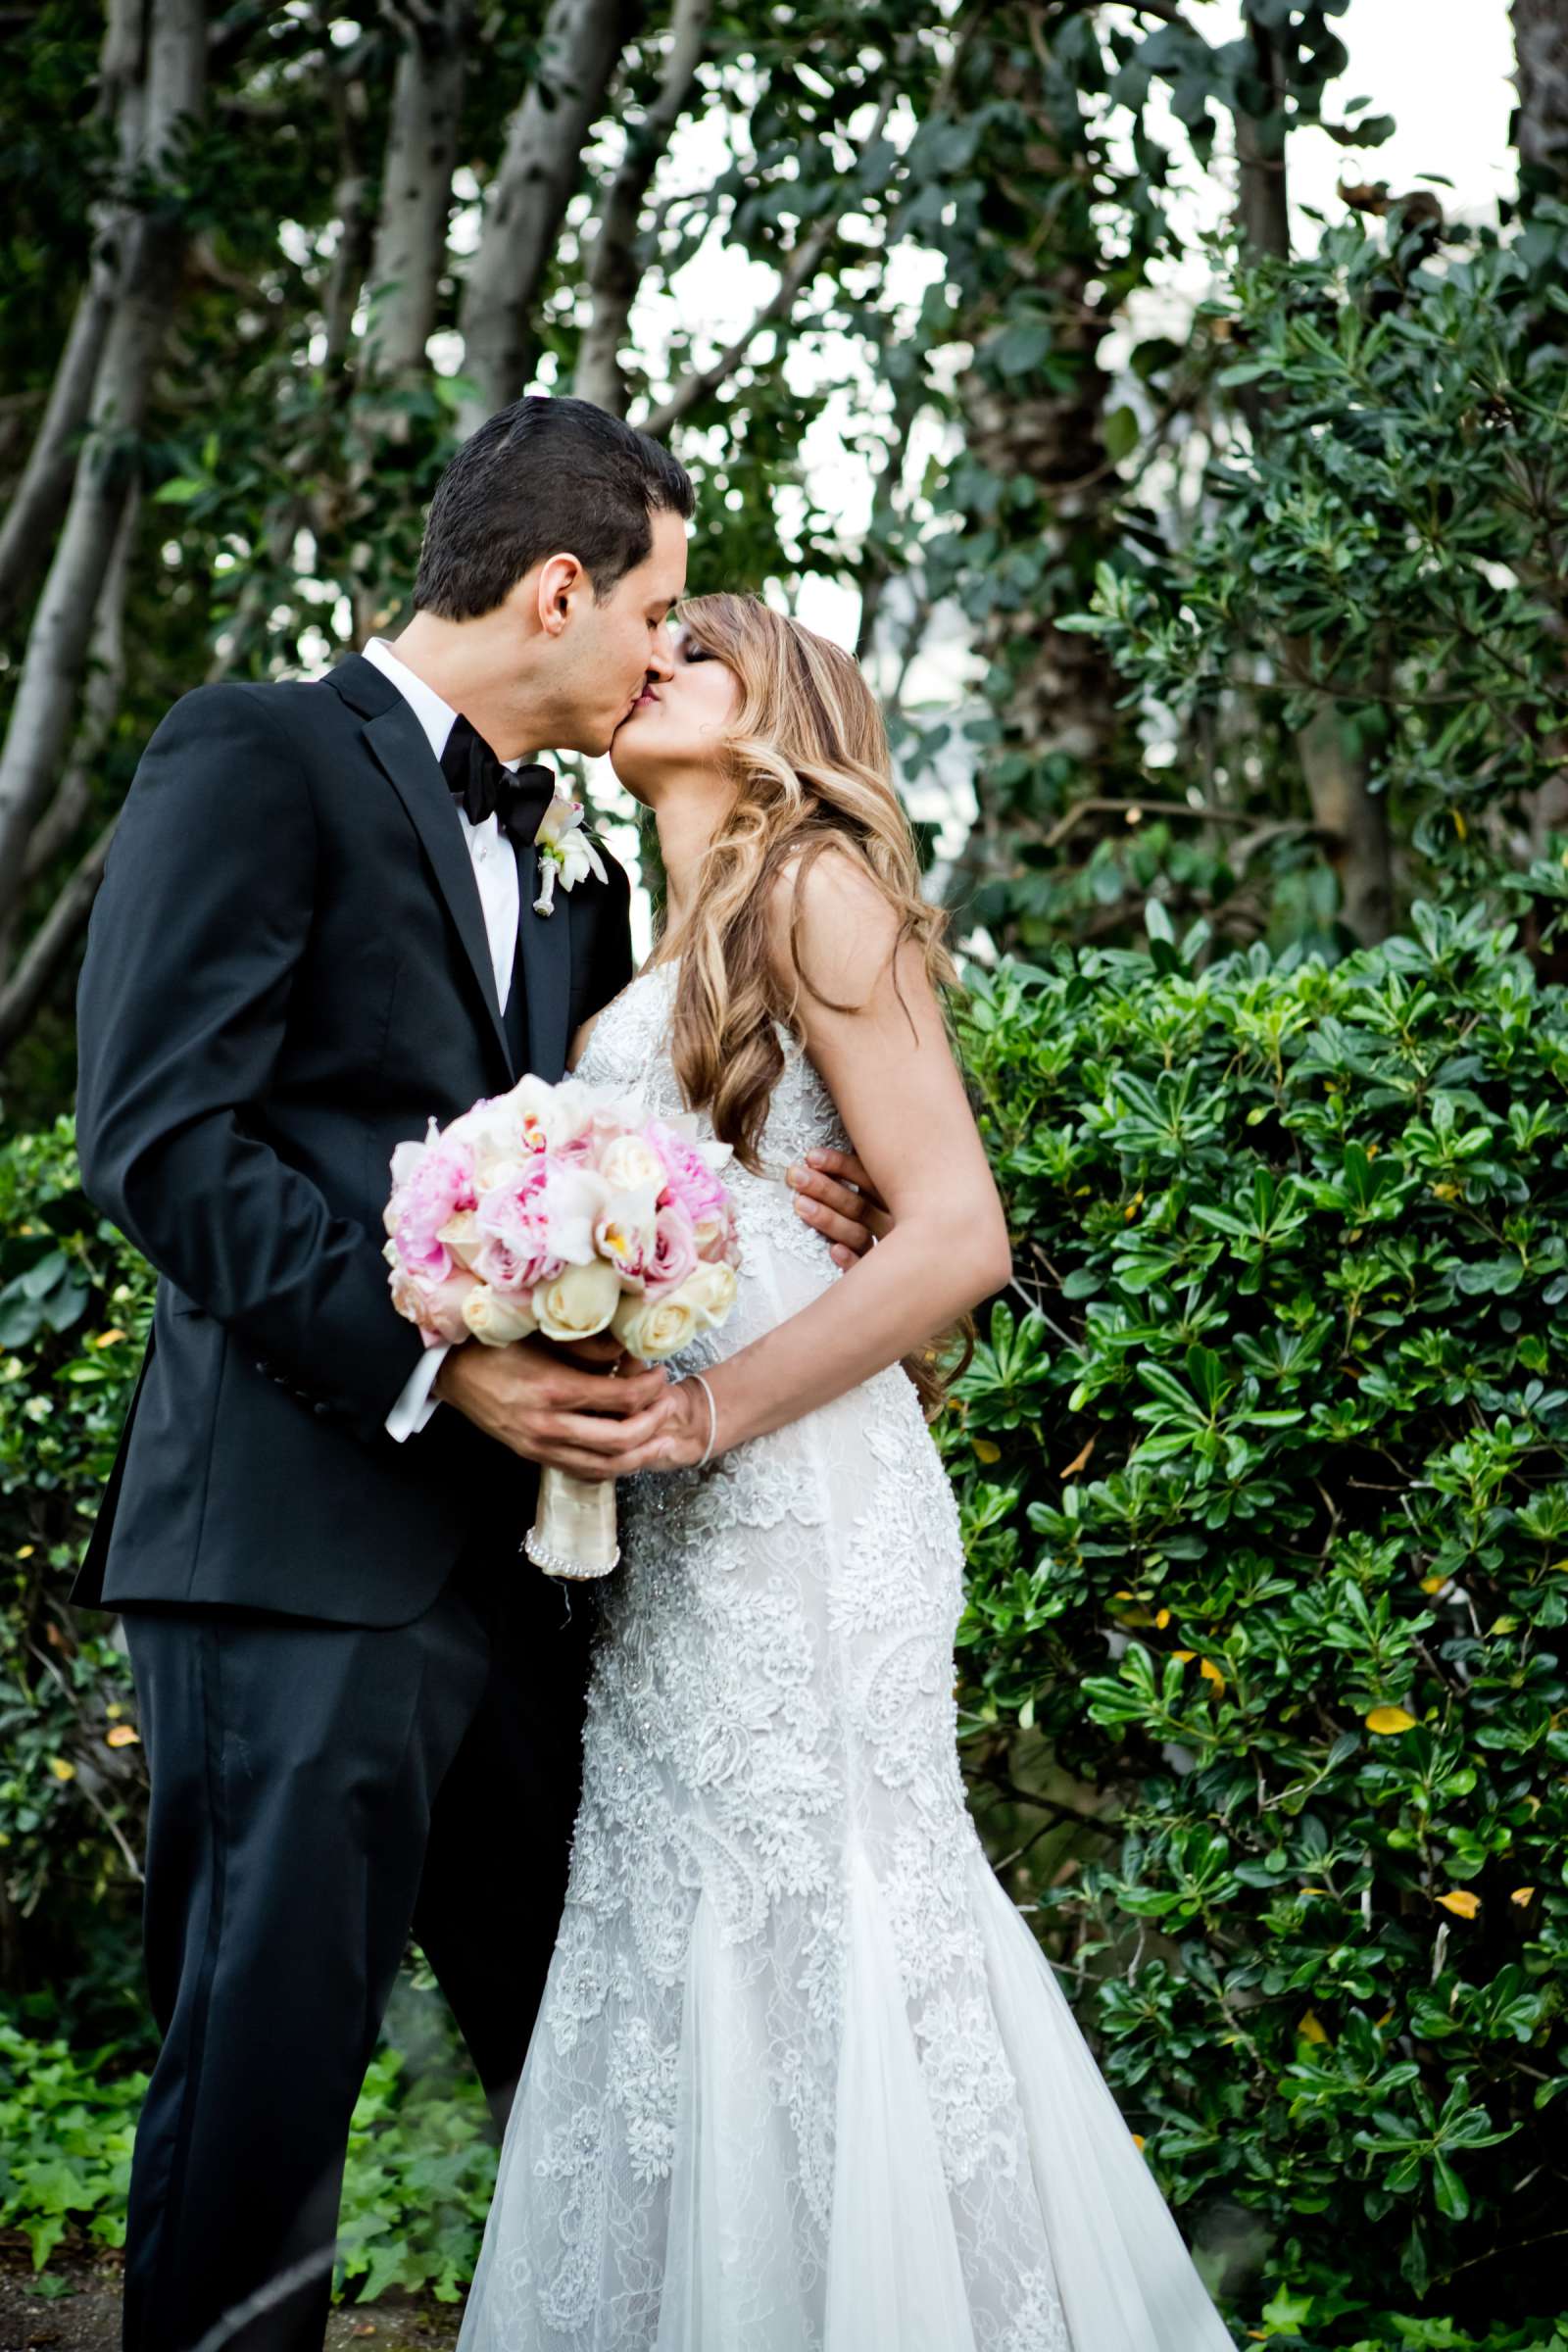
x=566, y=1210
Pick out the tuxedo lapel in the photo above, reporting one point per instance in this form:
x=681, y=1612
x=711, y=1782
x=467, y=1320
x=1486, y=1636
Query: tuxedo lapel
x=401, y=750
x=544, y=943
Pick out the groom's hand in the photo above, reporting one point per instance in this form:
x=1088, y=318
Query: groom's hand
x=559, y=1405
x=834, y=1193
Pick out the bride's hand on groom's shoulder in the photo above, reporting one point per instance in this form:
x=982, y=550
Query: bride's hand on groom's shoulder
x=836, y=1197
x=551, y=1406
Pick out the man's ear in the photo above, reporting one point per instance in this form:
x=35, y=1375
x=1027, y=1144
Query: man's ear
x=561, y=584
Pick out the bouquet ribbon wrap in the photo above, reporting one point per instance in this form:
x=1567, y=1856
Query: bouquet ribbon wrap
x=573, y=1533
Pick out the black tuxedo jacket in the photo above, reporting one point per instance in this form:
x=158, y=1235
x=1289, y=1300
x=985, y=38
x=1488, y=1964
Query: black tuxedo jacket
x=286, y=976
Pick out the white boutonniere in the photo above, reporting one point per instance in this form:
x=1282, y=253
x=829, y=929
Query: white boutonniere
x=564, y=848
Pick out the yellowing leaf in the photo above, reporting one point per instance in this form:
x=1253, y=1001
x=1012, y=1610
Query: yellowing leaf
x=62, y=1768
x=1161, y=1619
x=107, y=1339
x=1311, y=2027
x=1433, y=1584
x=124, y=1735
x=1459, y=826
x=1522, y=1895
x=987, y=1451
x=1210, y=1672
x=1133, y=1206
x=1137, y=2141
x=1184, y=1654
x=26, y=1551
x=1461, y=1902
x=1447, y=1192
x=1557, y=1568
x=1080, y=1460
x=1387, y=1721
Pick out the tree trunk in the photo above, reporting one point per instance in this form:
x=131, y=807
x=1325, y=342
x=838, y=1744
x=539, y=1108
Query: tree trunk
x=1541, y=76
x=106, y=677
x=528, y=200
x=1053, y=691
x=1540, y=134
x=614, y=270
x=57, y=645
x=1351, y=818
x=41, y=496
x=410, y=251
x=44, y=490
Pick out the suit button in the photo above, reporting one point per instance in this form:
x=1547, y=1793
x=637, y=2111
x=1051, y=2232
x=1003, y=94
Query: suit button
x=321, y=1408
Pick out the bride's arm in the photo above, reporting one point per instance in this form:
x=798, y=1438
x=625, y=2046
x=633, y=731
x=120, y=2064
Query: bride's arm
x=891, y=1075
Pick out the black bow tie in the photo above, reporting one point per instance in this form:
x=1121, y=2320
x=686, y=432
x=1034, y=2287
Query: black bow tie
x=482, y=787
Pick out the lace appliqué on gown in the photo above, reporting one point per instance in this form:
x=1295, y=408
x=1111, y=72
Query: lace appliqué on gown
x=773, y=2100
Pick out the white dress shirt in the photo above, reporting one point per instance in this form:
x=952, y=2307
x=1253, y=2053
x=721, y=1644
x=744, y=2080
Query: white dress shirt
x=495, y=869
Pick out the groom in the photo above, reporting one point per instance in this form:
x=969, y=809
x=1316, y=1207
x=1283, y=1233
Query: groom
x=360, y=1706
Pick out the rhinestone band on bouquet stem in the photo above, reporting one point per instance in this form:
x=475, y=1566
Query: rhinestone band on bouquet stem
x=564, y=1210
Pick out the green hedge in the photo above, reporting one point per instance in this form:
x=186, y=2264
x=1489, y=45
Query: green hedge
x=1266, y=1500
x=1266, y=1491
x=75, y=1302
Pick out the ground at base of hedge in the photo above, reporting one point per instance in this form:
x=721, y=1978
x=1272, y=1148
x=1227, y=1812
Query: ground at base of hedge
x=85, y=2317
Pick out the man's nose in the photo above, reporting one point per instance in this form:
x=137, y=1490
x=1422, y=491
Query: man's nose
x=661, y=662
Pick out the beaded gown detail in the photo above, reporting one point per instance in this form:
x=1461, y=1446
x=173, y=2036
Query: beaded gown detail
x=802, y=2080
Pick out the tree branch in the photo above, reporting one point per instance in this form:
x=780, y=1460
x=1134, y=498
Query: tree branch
x=801, y=268
x=613, y=273
x=24, y=993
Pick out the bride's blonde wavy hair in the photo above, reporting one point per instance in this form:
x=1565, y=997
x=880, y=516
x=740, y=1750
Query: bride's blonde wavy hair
x=809, y=756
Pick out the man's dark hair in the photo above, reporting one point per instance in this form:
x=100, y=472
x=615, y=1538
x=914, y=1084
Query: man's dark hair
x=543, y=477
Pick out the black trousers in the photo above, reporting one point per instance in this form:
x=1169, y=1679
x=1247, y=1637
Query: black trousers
x=316, y=1792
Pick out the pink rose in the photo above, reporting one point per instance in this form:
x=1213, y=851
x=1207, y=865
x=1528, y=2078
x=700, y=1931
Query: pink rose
x=435, y=1305
x=674, y=1252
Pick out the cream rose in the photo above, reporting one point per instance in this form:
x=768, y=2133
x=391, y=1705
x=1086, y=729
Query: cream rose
x=494, y=1318
x=578, y=1302
x=629, y=1166
x=653, y=1328
x=709, y=1292
x=464, y=1235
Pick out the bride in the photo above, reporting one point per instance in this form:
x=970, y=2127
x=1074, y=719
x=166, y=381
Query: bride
x=802, y=2080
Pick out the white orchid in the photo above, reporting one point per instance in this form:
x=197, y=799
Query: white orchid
x=564, y=848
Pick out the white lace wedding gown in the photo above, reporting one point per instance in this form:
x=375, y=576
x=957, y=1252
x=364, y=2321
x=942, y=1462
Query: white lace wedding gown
x=802, y=2080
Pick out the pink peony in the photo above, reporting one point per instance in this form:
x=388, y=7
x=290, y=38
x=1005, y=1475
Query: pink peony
x=690, y=1183
x=436, y=1187
x=514, y=1220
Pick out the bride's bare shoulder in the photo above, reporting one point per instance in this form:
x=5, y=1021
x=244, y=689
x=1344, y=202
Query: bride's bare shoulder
x=829, y=918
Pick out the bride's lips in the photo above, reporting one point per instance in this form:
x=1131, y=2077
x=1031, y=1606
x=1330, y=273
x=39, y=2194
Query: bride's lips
x=642, y=703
